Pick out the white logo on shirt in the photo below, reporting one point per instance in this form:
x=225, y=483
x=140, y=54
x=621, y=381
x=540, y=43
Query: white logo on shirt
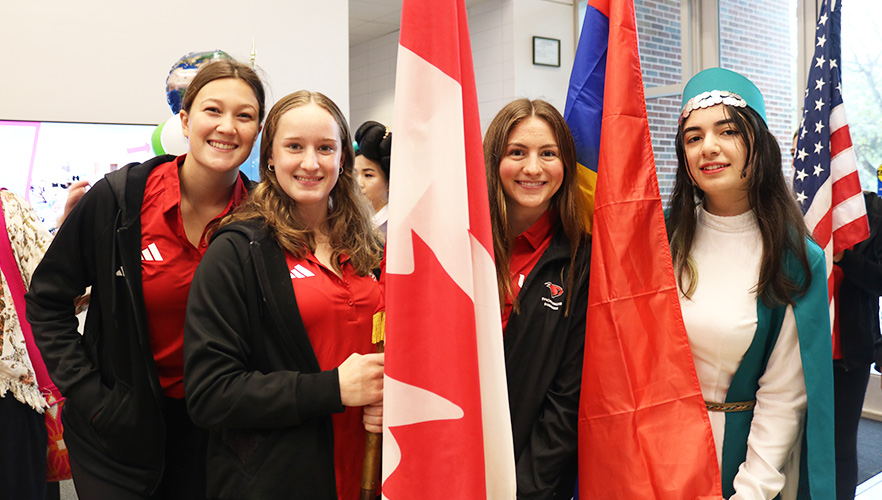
x=301, y=272
x=151, y=253
x=554, y=306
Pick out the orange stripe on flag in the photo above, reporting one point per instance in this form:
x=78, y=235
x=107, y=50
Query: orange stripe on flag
x=643, y=427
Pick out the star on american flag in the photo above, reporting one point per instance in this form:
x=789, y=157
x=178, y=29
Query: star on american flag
x=825, y=182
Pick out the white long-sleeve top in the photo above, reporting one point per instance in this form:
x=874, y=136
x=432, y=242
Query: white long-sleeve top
x=721, y=320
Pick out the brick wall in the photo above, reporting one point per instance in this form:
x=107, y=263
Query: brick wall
x=662, y=113
x=658, y=28
x=755, y=40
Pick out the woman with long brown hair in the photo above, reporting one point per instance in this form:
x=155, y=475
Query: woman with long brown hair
x=278, y=334
x=542, y=251
x=136, y=238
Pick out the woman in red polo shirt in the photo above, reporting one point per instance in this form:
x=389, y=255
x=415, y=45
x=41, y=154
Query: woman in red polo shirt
x=136, y=238
x=279, y=318
x=542, y=252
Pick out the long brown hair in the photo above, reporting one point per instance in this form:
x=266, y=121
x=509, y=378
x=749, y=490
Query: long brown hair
x=567, y=203
x=780, y=221
x=349, y=221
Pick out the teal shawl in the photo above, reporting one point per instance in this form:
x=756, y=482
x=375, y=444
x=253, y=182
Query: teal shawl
x=817, y=464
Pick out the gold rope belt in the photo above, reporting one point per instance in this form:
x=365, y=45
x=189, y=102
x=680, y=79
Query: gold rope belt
x=730, y=407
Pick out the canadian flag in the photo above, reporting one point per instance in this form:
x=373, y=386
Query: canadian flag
x=447, y=429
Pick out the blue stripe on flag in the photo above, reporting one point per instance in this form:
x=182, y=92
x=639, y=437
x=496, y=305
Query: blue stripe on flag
x=584, y=108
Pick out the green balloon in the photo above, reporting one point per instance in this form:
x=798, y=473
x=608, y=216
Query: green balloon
x=156, y=140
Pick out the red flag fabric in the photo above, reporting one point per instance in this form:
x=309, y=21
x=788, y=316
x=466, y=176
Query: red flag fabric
x=643, y=426
x=447, y=430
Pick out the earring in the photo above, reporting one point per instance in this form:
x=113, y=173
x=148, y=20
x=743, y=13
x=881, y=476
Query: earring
x=341, y=170
x=270, y=167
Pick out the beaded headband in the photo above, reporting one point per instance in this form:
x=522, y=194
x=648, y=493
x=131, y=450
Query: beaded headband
x=711, y=98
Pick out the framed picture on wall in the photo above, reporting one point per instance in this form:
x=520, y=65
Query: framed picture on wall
x=546, y=51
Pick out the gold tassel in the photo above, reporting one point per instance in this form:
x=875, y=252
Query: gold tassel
x=379, y=332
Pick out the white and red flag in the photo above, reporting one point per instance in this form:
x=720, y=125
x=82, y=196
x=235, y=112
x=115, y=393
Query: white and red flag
x=825, y=178
x=447, y=429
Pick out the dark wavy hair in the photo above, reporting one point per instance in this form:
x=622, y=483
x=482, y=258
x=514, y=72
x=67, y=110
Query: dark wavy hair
x=780, y=221
x=349, y=218
x=375, y=143
x=567, y=203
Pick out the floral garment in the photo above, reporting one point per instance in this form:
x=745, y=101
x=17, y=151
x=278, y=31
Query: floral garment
x=29, y=241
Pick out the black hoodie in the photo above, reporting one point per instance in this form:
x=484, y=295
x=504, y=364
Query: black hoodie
x=860, y=291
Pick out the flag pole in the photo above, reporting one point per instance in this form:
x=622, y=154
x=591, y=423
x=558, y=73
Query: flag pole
x=373, y=444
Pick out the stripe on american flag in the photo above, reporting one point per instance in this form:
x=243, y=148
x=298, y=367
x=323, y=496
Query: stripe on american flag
x=826, y=182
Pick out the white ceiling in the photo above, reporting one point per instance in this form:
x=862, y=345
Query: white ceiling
x=369, y=19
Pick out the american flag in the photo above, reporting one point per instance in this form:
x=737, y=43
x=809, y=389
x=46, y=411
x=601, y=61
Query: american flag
x=825, y=178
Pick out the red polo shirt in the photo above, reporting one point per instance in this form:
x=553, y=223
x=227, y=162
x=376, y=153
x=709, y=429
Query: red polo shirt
x=337, y=312
x=528, y=248
x=168, y=261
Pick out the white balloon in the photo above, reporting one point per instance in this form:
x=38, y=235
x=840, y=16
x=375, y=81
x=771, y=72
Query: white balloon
x=172, y=137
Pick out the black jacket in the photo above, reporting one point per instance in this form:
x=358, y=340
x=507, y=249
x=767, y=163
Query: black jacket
x=543, y=361
x=252, y=377
x=110, y=368
x=860, y=291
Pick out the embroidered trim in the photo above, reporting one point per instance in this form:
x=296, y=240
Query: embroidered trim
x=730, y=407
x=711, y=98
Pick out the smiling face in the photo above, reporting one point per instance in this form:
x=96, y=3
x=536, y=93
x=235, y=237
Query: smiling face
x=221, y=125
x=530, y=170
x=716, y=156
x=307, y=157
x=372, y=181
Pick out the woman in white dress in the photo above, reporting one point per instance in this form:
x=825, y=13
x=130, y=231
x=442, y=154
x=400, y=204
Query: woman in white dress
x=753, y=294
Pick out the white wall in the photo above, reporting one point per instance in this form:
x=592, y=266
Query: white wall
x=372, y=66
x=491, y=27
x=372, y=80
x=501, y=34
x=550, y=20
x=107, y=61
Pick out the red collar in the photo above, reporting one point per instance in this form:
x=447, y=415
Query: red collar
x=170, y=197
x=538, y=232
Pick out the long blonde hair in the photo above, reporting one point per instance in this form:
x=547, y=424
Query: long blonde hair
x=348, y=224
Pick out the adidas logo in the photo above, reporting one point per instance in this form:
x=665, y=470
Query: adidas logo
x=301, y=272
x=151, y=253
